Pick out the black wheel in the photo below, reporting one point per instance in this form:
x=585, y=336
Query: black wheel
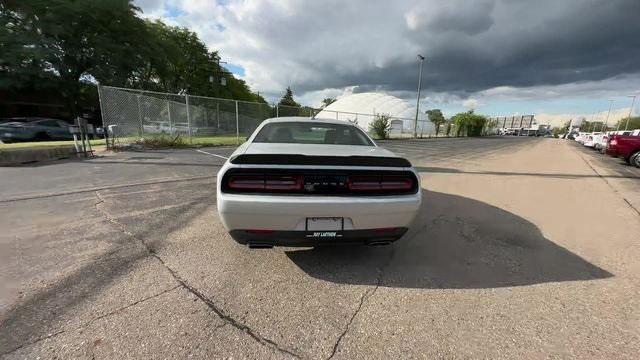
x=635, y=159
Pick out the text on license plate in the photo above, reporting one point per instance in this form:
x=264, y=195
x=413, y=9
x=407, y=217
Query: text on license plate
x=325, y=224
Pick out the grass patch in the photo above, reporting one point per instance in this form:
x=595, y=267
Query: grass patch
x=160, y=141
x=217, y=140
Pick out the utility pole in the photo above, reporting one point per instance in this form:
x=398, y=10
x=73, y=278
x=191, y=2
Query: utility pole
x=633, y=102
x=415, y=122
x=608, y=113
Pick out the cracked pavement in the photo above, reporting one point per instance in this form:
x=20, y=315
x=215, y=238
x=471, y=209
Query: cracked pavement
x=123, y=256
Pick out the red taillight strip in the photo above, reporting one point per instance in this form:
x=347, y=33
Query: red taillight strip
x=265, y=182
x=373, y=183
x=283, y=182
x=320, y=182
x=246, y=182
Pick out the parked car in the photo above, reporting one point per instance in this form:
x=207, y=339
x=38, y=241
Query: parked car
x=590, y=140
x=600, y=141
x=302, y=182
x=35, y=129
x=626, y=147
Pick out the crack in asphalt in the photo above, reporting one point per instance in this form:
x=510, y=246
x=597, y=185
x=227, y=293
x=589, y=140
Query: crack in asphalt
x=367, y=294
x=182, y=283
x=90, y=321
x=363, y=299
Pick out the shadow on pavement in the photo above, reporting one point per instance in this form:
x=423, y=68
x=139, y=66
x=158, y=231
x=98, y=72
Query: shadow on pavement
x=456, y=243
x=423, y=169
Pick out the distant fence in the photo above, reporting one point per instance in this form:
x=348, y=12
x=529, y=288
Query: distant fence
x=131, y=113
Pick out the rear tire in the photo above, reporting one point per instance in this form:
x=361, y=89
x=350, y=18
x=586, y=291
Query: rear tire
x=635, y=159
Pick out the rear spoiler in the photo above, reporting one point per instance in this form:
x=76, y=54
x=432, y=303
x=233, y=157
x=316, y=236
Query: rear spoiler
x=289, y=159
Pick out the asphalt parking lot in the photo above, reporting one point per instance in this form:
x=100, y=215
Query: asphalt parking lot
x=524, y=248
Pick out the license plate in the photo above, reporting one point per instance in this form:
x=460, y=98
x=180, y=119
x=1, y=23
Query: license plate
x=325, y=224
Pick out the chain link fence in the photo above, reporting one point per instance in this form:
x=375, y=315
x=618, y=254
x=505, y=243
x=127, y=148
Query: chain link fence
x=130, y=114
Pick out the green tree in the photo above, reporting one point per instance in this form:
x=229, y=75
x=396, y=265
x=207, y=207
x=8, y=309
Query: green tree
x=287, y=98
x=380, y=126
x=448, y=128
x=634, y=123
x=62, y=45
x=592, y=126
x=64, y=42
x=469, y=124
x=436, y=117
x=327, y=101
x=177, y=60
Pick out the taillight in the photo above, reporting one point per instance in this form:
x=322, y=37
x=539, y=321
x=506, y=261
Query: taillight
x=377, y=183
x=279, y=182
x=319, y=182
x=265, y=182
x=246, y=182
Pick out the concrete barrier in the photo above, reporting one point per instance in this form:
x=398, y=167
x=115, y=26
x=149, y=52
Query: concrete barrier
x=28, y=155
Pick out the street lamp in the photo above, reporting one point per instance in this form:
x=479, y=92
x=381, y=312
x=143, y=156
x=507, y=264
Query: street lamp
x=607, y=120
x=633, y=102
x=415, y=123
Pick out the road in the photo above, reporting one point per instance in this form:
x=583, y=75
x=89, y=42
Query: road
x=524, y=248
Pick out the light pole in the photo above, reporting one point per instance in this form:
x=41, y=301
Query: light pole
x=415, y=122
x=633, y=102
x=608, y=113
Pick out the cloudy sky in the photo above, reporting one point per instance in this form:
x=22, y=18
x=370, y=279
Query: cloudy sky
x=555, y=59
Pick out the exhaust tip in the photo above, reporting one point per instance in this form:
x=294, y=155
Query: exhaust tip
x=260, y=246
x=379, y=243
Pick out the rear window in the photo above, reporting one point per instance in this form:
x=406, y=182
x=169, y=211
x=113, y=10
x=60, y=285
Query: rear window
x=312, y=133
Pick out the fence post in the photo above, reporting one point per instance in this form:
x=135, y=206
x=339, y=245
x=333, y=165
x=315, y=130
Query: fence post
x=186, y=98
x=141, y=129
x=104, y=128
x=277, y=110
x=218, y=113
x=169, y=115
x=237, y=125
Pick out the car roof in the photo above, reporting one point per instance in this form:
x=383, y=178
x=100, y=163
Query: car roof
x=306, y=119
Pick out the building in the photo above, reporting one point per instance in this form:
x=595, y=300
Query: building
x=362, y=108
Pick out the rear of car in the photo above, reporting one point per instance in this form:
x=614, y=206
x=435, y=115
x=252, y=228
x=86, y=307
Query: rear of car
x=315, y=182
x=626, y=147
x=600, y=142
x=592, y=139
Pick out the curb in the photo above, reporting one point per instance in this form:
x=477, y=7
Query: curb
x=30, y=155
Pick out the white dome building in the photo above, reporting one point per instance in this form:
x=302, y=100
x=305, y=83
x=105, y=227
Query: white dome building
x=362, y=108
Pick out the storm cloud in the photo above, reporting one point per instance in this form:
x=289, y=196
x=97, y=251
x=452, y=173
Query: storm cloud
x=470, y=46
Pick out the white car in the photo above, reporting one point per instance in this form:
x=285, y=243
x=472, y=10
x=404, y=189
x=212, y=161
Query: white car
x=582, y=137
x=600, y=141
x=591, y=139
x=305, y=182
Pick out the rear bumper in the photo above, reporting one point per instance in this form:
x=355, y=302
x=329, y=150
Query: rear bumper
x=303, y=238
x=289, y=213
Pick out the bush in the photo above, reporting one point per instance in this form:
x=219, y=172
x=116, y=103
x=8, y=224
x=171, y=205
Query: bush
x=380, y=126
x=468, y=123
x=161, y=141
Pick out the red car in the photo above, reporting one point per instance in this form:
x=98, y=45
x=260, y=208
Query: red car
x=626, y=147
